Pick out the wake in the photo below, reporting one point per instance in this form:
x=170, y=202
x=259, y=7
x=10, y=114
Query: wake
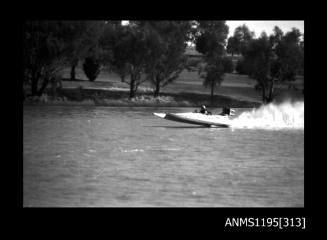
x=273, y=116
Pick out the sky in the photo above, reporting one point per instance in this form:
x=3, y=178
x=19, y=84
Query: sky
x=267, y=26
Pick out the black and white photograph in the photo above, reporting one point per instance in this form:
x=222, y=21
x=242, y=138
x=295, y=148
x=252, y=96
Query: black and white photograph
x=163, y=113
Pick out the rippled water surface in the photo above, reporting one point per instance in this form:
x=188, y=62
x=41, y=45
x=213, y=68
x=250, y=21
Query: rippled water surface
x=103, y=156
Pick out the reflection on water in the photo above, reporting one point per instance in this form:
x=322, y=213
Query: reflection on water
x=102, y=156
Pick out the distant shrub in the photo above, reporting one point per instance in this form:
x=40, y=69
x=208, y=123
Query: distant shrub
x=228, y=65
x=91, y=68
x=242, y=67
x=43, y=98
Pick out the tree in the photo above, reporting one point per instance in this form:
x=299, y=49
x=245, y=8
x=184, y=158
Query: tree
x=240, y=40
x=86, y=36
x=233, y=45
x=45, y=51
x=242, y=37
x=243, y=66
x=301, y=70
x=276, y=37
x=91, y=68
x=290, y=56
x=78, y=28
x=213, y=75
x=166, y=43
x=211, y=37
x=227, y=64
x=129, y=54
x=259, y=56
x=211, y=41
x=273, y=59
x=111, y=33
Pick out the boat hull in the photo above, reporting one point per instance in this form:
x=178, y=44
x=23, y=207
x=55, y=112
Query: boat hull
x=196, y=119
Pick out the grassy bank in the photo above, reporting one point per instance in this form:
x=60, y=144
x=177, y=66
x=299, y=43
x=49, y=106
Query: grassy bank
x=120, y=98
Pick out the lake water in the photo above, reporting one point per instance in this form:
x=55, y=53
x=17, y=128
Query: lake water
x=108, y=156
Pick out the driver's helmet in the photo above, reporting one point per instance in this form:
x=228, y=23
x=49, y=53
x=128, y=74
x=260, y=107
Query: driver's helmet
x=203, y=107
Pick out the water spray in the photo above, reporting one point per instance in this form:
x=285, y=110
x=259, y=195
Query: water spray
x=273, y=116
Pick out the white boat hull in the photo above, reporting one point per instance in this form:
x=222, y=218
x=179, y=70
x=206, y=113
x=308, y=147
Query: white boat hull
x=197, y=119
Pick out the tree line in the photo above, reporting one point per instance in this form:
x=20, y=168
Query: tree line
x=268, y=59
x=153, y=51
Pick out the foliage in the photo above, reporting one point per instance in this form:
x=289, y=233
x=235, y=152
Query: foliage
x=213, y=73
x=154, y=51
x=259, y=56
x=276, y=37
x=85, y=40
x=211, y=41
x=91, y=68
x=240, y=40
x=227, y=65
x=146, y=50
x=242, y=37
x=166, y=41
x=289, y=56
x=111, y=33
x=206, y=42
x=46, y=49
x=301, y=68
x=211, y=37
x=242, y=67
x=233, y=45
x=128, y=48
x=272, y=59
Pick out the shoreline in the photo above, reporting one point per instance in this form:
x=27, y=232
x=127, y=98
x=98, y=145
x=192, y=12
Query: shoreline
x=126, y=105
x=143, y=101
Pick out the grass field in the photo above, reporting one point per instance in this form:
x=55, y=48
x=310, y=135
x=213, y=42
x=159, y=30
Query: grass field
x=236, y=91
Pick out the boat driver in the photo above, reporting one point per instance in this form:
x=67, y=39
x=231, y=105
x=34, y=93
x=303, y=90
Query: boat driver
x=204, y=110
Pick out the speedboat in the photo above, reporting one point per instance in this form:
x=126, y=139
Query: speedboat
x=208, y=120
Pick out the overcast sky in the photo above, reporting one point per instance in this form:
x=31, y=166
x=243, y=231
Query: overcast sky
x=267, y=26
